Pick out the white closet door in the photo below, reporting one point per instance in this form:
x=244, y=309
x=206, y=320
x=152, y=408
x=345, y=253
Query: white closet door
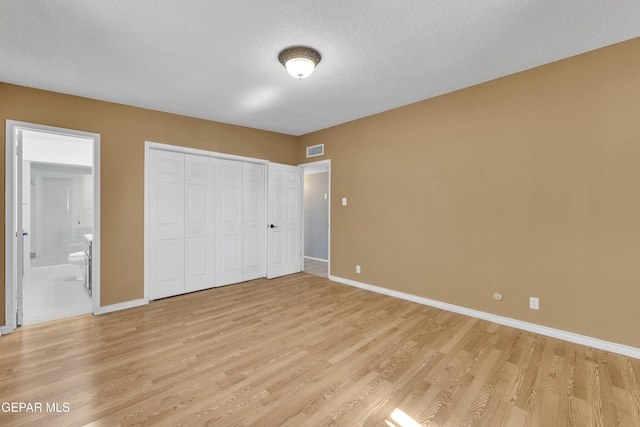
x=166, y=224
x=254, y=222
x=284, y=206
x=199, y=214
x=228, y=222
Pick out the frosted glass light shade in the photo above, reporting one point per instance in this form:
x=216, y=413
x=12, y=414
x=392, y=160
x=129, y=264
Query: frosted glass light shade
x=300, y=67
x=300, y=61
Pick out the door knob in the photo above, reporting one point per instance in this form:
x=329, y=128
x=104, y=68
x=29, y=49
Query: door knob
x=273, y=226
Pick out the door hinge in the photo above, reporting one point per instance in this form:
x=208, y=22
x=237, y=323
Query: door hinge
x=19, y=150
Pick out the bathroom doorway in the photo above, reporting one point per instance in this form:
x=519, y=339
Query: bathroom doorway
x=54, y=218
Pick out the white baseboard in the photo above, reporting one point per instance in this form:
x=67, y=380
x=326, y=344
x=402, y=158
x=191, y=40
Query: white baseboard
x=518, y=324
x=316, y=259
x=4, y=330
x=121, y=306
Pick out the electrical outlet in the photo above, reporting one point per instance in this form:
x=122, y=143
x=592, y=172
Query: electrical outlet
x=534, y=303
x=358, y=269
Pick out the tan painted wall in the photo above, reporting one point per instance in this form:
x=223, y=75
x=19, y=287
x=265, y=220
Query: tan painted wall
x=528, y=185
x=123, y=131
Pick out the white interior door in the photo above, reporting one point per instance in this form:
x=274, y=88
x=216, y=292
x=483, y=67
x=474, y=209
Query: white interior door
x=284, y=210
x=199, y=214
x=166, y=224
x=228, y=222
x=20, y=234
x=253, y=221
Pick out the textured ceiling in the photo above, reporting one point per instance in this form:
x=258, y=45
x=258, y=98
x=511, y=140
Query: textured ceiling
x=219, y=60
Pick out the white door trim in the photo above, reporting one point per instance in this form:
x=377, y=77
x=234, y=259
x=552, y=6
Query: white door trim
x=327, y=164
x=198, y=152
x=11, y=258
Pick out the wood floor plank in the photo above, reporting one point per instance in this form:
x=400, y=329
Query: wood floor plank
x=304, y=351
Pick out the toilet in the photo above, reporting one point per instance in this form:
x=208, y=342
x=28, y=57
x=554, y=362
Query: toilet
x=79, y=259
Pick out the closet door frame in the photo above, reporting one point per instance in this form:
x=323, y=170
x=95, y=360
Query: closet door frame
x=149, y=145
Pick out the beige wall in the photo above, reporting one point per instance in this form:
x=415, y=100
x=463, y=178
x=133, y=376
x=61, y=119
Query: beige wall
x=123, y=131
x=528, y=185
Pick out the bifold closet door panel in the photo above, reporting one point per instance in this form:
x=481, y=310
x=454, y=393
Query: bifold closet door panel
x=254, y=224
x=199, y=223
x=207, y=222
x=166, y=224
x=228, y=221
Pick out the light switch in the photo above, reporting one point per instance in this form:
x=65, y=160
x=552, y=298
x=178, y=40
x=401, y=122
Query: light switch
x=344, y=201
x=325, y=196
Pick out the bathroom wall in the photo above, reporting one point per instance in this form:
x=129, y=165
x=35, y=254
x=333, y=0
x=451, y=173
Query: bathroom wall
x=59, y=216
x=316, y=215
x=46, y=147
x=56, y=159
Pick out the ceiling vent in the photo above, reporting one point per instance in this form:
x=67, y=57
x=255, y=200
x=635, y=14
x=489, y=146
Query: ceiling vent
x=315, y=150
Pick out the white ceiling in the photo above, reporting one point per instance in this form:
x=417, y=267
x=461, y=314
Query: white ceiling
x=218, y=60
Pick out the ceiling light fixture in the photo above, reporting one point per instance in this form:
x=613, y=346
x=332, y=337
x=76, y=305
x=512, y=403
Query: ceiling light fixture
x=299, y=61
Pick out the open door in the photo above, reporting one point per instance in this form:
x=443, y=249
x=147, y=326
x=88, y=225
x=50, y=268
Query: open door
x=20, y=234
x=284, y=253
x=24, y=149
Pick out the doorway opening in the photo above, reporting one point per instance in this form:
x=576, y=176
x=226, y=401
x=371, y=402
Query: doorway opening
x=317, y=217
x=52, y=210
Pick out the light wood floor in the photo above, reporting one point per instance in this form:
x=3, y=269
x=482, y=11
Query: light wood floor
x=303, y=351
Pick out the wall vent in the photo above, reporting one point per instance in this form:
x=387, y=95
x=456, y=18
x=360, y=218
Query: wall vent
x=315, y=150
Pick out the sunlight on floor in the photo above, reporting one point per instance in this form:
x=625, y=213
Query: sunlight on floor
x=400, y=419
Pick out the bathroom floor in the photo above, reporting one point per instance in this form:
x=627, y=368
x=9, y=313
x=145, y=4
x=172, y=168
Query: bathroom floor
x=316, y=267
x=51, y=293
